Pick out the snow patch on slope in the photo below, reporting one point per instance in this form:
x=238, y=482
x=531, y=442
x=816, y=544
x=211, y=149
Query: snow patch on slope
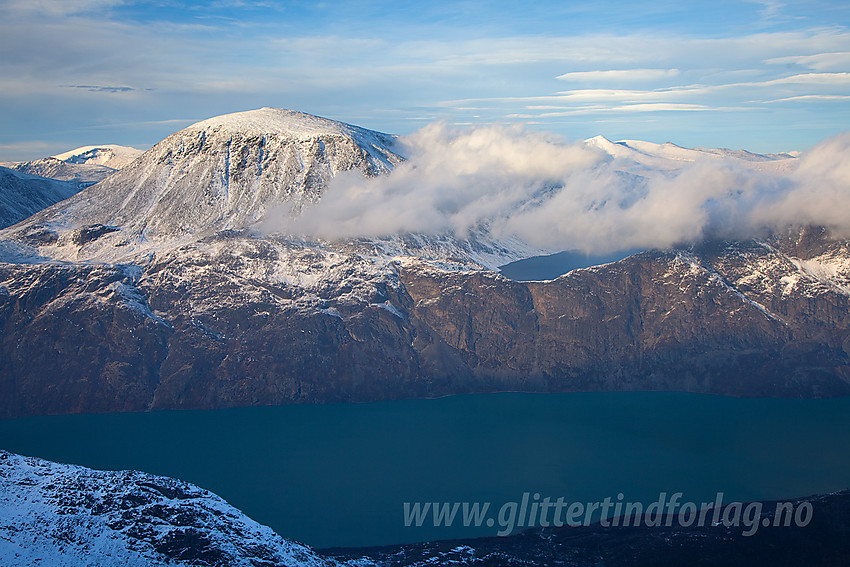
x=70, y=516
x=833, y=271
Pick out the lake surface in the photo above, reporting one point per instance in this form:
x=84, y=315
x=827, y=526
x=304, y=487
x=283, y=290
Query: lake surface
x=549, y=267
x=338, y=475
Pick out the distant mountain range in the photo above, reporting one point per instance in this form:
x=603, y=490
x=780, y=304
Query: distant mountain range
x=22, y=195
x=671, y=156
x=156, y=289
x=28, y=187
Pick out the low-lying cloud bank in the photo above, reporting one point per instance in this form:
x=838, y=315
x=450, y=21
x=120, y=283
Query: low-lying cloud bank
x=555, y=195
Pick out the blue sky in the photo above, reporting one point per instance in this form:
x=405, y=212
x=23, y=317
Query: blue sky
x=762, y=75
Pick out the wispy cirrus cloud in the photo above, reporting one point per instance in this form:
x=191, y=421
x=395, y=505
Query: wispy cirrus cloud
x=769, y=8
x=819, y=61
x=632, y=73
x=619, y=75
x=100, y=88
x=814, y=97
x=59, y=8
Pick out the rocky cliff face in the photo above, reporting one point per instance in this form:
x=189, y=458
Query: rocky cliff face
x=234, y=321
x=730, y=318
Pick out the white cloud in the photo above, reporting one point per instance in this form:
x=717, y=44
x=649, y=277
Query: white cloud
x=818, y=192
x=663, y=107
x=454, y=181
x=569, y=196
x=619, y=75
x=631, y=95
x=813, y=97
x=58, y=8
x=818, y=61
x=626, y=108
x=808, y=79
x=770, y=8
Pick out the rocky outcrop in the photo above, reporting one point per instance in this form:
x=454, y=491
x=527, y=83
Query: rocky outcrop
x=71, y=516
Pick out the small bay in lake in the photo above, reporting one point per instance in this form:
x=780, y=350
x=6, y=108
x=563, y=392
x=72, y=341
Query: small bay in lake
x=339, y=475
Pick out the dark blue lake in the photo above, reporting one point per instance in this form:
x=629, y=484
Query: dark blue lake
x=338, y=475
x=549, y=267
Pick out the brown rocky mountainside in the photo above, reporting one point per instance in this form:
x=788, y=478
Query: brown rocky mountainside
x=161, y=287
x=237, y=321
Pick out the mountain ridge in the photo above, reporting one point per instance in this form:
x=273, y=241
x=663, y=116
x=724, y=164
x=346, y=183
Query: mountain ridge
x=670, y=156
x=23, y=194
x=219, y=174
x=152, y=291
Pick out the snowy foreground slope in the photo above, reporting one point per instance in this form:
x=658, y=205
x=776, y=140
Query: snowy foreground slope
x=70, y=516
x=155, y=290
x=61, y=515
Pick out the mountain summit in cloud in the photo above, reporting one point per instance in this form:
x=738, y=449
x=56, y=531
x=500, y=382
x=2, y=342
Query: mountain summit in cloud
x=490, y=194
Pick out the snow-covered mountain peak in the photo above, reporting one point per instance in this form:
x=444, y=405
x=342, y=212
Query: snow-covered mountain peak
x=670, y=156
x=598, y=141
x=266, y=121
x=109, y=155
x=224, y=173
x=613, y=149
x=281, y=123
